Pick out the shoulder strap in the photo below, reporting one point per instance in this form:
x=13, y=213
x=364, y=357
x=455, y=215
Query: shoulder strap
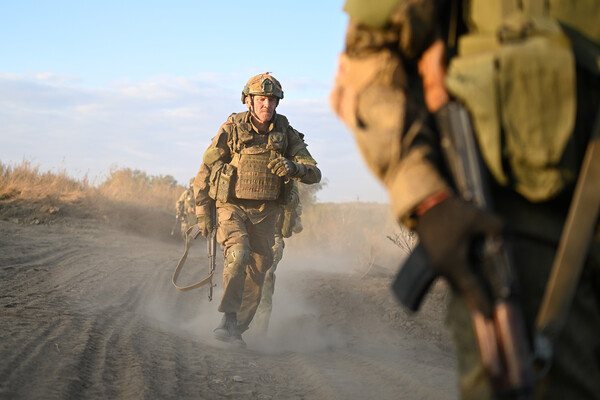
x=572, y=250
x=207, y=280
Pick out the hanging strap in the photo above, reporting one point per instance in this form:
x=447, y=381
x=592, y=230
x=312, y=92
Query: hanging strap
x=572, y=251
x=205, y=281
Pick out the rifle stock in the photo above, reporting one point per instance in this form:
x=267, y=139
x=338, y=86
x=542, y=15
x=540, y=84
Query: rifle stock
x=502, y=340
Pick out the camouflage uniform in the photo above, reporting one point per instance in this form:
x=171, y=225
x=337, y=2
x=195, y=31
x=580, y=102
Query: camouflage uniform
x=288, y=222
x=186, y=209
x=247, y=218
x=379, y=95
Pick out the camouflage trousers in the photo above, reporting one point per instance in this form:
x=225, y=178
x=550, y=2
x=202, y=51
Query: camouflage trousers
x=263, y=313
x=575, y=371
x=242, y=288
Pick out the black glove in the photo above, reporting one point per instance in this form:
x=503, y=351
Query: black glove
x=205, y=226
x=282, y=166
x=447, y=232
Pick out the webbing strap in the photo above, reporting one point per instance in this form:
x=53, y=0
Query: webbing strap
x=205, y=281
x=574, y=244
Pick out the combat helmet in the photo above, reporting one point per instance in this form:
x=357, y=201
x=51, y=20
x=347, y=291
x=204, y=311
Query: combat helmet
x=262, y=85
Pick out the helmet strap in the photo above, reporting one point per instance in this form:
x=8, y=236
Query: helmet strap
x=252, y=112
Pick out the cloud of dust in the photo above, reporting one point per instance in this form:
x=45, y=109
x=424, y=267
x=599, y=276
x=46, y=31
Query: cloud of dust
x=295, y=324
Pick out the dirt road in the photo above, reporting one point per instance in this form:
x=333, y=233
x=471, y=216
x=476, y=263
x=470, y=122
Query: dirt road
x=89, y=312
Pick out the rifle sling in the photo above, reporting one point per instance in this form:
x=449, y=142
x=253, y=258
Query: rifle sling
x=573, y=246
x=205, y=281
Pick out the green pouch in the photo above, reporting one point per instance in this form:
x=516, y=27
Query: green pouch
x=519, y=87
x=221, y=181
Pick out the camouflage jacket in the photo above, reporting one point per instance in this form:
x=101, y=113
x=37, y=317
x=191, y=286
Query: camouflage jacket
x=233, y=135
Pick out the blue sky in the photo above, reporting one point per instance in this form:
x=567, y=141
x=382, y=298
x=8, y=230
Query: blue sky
x=86, y=86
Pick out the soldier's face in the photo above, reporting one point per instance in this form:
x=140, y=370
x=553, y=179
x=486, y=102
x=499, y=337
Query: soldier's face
x=264, y=107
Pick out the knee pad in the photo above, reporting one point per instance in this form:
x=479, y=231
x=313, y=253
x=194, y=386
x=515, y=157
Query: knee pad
x=236, y=259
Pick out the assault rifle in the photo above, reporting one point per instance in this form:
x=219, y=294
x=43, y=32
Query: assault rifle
x=211, y=246
x=192, y=233
x=502, y=340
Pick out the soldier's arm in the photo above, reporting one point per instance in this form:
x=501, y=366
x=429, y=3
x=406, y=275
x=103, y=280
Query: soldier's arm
x=308, y=172
x=378, y=96
x=218, y=150
x=180, y=202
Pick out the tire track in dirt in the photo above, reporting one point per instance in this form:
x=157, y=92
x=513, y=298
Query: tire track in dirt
x=27, y=354
x=91, y=313
x=341, y=374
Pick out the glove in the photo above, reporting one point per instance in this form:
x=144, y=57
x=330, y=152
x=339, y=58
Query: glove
x=282, y=166
x=447, y=232
x=205, y=226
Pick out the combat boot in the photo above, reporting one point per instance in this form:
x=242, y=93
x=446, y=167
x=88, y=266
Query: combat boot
x=236, y=339
x=227, y=331
x=226, y=327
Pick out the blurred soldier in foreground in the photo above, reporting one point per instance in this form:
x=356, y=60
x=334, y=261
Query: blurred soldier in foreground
x=247, y=172
x=288, y=222
x=186, y=209
x=527, y=72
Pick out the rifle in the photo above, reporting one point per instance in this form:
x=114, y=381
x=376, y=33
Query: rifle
x=502, y=340
x=211, y=246
x=211, y=240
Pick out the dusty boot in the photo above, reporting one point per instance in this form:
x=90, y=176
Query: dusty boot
x=227, y=331
x=236, y=339
x=226, y=327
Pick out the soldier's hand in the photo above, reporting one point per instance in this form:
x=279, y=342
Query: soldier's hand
x=205, y=226
x=447, y=232
x=433, y=72
x=282, y=166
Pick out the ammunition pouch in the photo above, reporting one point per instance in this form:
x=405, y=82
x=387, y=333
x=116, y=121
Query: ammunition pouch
x=221, y=181
x=519, y=87
x=288, y=221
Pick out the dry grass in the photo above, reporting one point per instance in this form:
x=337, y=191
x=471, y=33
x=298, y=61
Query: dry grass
x=132, y=200
x=136, y=187
x=26, y=182
x=127, y=199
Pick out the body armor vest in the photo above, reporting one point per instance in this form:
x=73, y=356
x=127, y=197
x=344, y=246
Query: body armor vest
x=252, y=154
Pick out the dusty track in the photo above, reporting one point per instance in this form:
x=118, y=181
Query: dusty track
x=89, y=312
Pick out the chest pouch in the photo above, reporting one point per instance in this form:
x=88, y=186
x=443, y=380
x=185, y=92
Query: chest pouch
x=519, y=87
x=255, y=181
x=221, y=182
x=277, y=142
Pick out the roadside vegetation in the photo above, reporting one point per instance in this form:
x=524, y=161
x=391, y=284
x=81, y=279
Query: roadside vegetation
x=145, y=204
x=128, y=199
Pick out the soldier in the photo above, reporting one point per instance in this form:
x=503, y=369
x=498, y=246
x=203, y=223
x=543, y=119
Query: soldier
x=528, y=73
x=288, y=223
x=247, y=172
x=186, y=209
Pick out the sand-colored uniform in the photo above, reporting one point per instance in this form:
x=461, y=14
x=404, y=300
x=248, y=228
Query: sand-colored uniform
x=186, y=210
x=246, y=221
x=532, y=142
